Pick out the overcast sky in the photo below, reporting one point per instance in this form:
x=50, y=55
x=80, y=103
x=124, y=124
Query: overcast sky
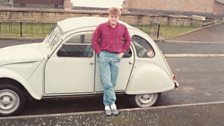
x=98, y=3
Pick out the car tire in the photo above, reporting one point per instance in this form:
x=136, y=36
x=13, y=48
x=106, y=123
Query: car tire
x=12, y=99
x=145, y=100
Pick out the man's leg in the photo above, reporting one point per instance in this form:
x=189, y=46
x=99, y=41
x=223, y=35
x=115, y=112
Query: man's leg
x=105, y=74
x=114, y=73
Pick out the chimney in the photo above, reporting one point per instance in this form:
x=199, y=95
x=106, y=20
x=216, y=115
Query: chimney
x=67, y=5
x=125, y=5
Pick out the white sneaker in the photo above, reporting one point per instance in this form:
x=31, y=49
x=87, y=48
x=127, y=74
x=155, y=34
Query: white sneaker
x=113, y=106
x=108, y=110
x=114, y=110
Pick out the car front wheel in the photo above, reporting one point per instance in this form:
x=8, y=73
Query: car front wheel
x=12, y=99
x=145, y=100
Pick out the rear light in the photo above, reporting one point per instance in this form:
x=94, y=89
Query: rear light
x=174, y=77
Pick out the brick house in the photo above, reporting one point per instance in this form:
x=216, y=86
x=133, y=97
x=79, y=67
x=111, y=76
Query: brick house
x=218, y=8
x=201, y=7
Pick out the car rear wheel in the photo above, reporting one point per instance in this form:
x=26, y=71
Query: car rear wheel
x=145, y=100
x=12, y=99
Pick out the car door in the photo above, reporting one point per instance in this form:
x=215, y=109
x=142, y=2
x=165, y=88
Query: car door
x=70, y=69
x=125, y=69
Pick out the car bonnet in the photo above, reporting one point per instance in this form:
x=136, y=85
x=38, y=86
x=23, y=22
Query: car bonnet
x=21, y=53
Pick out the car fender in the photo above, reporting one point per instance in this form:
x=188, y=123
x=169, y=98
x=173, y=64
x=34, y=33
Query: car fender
x=10, y=74
x=149, y=78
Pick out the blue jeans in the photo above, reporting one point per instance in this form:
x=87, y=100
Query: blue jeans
x=108, y=66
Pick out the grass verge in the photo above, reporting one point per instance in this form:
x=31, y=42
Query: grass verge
x=165, y=31
x=40, y=30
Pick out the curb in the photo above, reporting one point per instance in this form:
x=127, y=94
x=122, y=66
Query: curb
x=192, y=55
x=159, y=40
x=179, y=41
x=201, y=114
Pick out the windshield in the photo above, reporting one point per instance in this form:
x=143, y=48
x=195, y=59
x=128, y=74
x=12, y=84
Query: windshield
x=54, y=37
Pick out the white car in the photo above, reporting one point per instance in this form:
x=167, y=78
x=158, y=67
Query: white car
x=64, y=64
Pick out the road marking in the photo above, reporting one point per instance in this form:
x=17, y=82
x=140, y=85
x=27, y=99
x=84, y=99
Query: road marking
x=180, y=41
x=194, y=55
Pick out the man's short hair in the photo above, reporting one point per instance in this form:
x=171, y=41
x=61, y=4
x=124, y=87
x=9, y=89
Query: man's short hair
x=114, y=11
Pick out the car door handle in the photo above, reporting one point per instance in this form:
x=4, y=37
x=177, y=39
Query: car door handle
x=91, y=63
x=130, y=62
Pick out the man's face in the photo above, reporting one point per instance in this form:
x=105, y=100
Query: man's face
x=113, y=19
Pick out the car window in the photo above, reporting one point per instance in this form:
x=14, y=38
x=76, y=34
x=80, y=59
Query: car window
x=84, y=38
x=75, y=51
x=77, y=46
x=143, y=47
x=54, y=37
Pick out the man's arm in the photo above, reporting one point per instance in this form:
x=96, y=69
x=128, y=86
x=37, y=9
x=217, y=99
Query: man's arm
x=127, y=40
x=95, y=40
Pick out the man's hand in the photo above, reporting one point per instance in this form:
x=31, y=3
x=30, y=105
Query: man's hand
x=121, y=55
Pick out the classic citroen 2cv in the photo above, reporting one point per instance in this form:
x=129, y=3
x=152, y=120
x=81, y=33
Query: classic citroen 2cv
x=65, y=64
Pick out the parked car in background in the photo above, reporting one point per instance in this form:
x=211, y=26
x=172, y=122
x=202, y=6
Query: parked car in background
x=64, y=64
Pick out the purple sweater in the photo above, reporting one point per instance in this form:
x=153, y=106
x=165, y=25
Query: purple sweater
x=115, y=40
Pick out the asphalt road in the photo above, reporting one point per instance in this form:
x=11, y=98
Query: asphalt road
x=201, y=80
x=191, y=48
x=200, y=76
x=213, y=33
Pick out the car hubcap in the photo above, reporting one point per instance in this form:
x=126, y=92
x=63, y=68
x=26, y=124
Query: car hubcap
x=146, y=100
x=9, y=101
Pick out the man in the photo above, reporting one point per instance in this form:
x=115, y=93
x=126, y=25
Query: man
x=107, y=42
